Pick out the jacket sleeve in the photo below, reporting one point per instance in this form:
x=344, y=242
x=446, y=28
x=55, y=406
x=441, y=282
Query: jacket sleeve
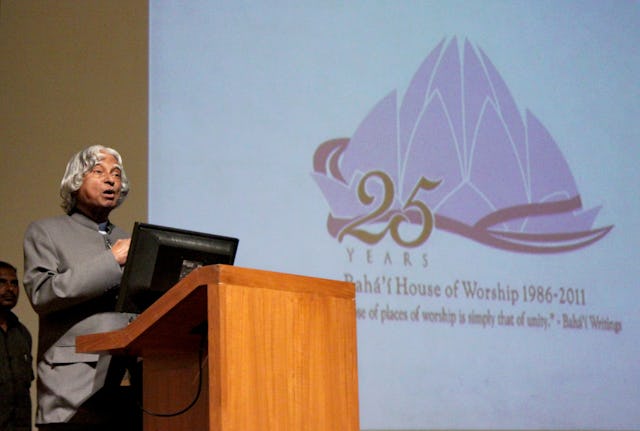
x=54, y=281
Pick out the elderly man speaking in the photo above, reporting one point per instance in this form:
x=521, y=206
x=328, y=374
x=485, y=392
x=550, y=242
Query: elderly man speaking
x=72, y=269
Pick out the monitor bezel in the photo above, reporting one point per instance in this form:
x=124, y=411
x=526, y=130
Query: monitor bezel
x=136, y=260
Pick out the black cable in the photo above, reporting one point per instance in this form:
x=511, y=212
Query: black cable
x=198, y=392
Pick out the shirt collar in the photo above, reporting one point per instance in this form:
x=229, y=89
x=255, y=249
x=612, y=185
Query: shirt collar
x=12, y=319
x=87, y=222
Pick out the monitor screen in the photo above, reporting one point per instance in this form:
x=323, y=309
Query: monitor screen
x=161, y=256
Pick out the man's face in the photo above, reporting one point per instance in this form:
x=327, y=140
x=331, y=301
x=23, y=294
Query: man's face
x=9, y=289
x=100, y=189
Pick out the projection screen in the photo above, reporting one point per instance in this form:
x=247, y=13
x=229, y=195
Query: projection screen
x=471, y=166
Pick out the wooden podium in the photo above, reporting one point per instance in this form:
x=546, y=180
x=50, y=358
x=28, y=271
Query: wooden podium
x=278, y=353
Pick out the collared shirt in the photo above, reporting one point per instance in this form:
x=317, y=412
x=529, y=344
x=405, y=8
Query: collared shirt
x=16, y=374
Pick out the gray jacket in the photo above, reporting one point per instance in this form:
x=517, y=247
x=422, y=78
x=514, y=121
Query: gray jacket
x=71, y=279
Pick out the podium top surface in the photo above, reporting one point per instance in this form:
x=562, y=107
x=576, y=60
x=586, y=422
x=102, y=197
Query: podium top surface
x=184, y=307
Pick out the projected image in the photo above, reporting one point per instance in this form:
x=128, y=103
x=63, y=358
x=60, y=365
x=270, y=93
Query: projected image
x=469, y=166
x=455, y=155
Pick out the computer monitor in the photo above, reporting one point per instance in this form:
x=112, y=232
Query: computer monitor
x=161, y=256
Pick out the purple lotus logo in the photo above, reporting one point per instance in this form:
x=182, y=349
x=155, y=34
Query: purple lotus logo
x=456, y=155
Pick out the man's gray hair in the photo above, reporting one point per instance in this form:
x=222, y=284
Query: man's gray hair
x=79, y=165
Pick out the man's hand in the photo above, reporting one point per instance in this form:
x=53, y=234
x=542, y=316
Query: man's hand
x=120, y=250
